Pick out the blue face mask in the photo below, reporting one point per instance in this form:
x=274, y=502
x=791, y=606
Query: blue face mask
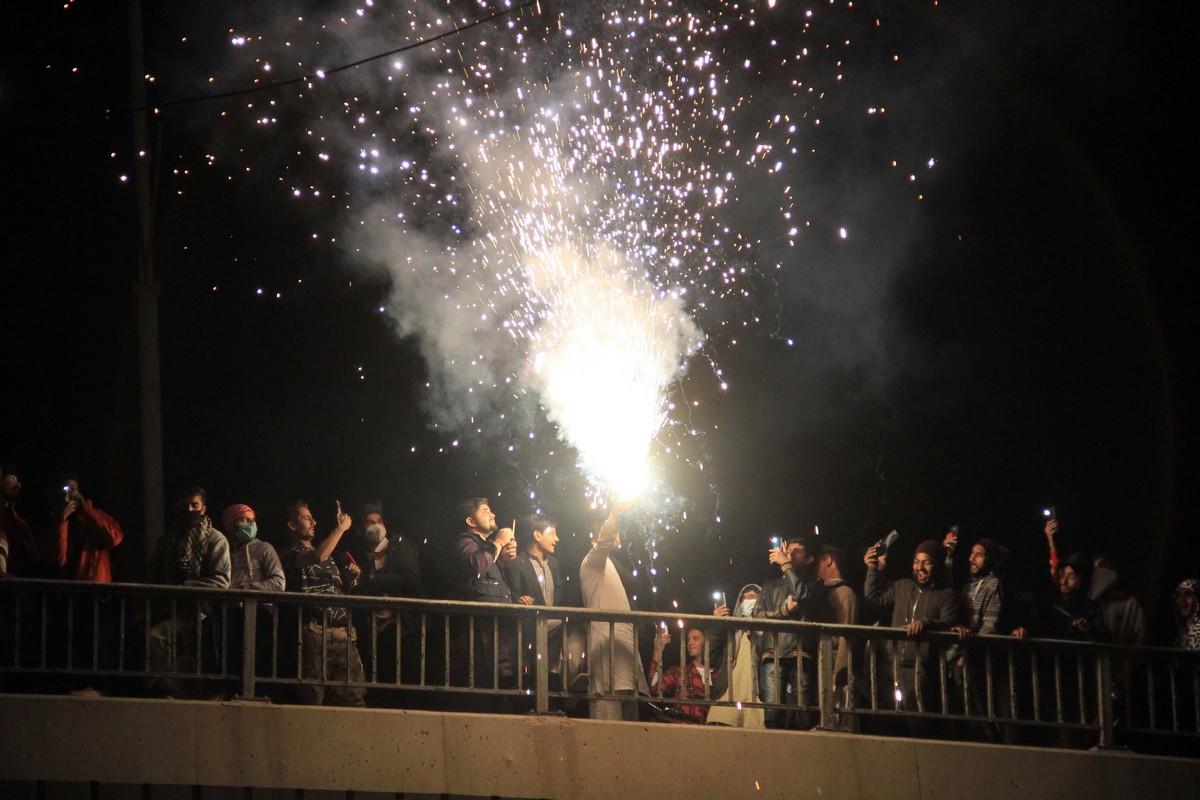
x=246, y=531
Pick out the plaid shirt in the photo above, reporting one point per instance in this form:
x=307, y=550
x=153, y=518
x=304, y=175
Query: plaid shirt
x=672, y=685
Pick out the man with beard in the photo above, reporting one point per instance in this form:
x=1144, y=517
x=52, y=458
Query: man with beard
x=982, y=599
x=480, y=551
x=191, y=553
x=1074, y=615
x=787, y=668
x=328, y=649
x=918, y=604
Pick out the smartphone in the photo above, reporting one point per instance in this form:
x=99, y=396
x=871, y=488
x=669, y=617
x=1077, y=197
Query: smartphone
x=1050, y=513
x=888, y=541
x=718, y=599
x=66, y=493
x=339, y=507
x=776, y=542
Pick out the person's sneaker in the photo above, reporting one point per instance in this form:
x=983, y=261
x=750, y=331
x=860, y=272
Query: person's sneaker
x=580, y=683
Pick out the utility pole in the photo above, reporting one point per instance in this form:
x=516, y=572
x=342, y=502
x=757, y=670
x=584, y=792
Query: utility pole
x=146, y=289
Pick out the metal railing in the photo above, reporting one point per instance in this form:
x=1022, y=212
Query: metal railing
x=55, y=635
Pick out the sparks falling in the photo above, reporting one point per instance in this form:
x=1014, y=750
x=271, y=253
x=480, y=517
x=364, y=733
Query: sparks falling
x=554, y=193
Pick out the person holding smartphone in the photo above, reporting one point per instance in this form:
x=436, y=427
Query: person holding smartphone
x=787, y=666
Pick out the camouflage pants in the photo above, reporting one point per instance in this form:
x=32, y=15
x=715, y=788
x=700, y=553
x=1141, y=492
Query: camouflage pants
x=330, y=654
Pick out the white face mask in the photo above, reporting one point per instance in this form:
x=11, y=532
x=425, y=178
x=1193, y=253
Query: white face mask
x=747, y=607
x=376, y=533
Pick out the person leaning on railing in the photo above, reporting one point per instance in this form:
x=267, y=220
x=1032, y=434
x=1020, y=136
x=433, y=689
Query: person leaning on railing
x=739, y=686
x=329, y=649
x=918, y=604
x=191, y=553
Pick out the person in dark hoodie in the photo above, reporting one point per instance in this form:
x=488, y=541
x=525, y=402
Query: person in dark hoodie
x=1075, y=617
x=918, y=604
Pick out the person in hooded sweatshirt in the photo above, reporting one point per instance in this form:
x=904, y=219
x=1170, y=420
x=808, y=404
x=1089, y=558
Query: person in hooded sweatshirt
x=1187, y=615
x=738, y=685
x=1123, y=615
x=918, y=604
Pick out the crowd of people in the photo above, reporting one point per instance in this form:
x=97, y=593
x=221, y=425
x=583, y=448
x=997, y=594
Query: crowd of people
x=622, y=670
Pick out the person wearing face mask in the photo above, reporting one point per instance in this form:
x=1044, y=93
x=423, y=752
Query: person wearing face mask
x=255, y=567
x=254, y=563
x=390, y=561
x=190, y=553
x=391, y=567
x=738, y=686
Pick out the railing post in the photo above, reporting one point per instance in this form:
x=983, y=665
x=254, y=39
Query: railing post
x=1104, y=698
x=541, y=655
x=249, y=640
x=825, y=682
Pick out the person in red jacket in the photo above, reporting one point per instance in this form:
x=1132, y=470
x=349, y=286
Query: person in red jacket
x=80, y=536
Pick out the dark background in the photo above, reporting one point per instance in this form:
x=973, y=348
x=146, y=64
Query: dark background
x=1021, y=336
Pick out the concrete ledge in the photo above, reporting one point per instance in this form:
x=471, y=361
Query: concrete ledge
x=128, y=741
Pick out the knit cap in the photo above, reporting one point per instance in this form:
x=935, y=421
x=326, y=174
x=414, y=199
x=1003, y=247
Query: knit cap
x=229, y=516
x=933, y=549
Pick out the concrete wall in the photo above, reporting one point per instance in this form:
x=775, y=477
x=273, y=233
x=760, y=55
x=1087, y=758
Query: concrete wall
x=173, y=744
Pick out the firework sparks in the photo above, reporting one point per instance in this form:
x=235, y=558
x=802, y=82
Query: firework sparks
x=555, y=194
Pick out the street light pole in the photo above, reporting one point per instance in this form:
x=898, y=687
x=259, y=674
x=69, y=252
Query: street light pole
x=146, y=289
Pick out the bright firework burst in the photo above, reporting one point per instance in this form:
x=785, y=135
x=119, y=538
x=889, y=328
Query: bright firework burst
x=553, y=193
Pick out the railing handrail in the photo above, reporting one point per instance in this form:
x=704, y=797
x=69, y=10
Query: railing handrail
x=1083, y=680
x=533, y=612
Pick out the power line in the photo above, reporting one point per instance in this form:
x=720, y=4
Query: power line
x=324, y=73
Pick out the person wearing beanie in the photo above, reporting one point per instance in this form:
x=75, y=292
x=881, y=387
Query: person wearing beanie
x=918, y=604
x=254, y=564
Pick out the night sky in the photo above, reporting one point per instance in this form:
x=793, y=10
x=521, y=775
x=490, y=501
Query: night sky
x=1018, y=335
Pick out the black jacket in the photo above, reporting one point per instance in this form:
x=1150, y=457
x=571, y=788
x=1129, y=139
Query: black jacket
x=771, y=602
x=936, y=607
x=401, y=574
x=523, y=580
